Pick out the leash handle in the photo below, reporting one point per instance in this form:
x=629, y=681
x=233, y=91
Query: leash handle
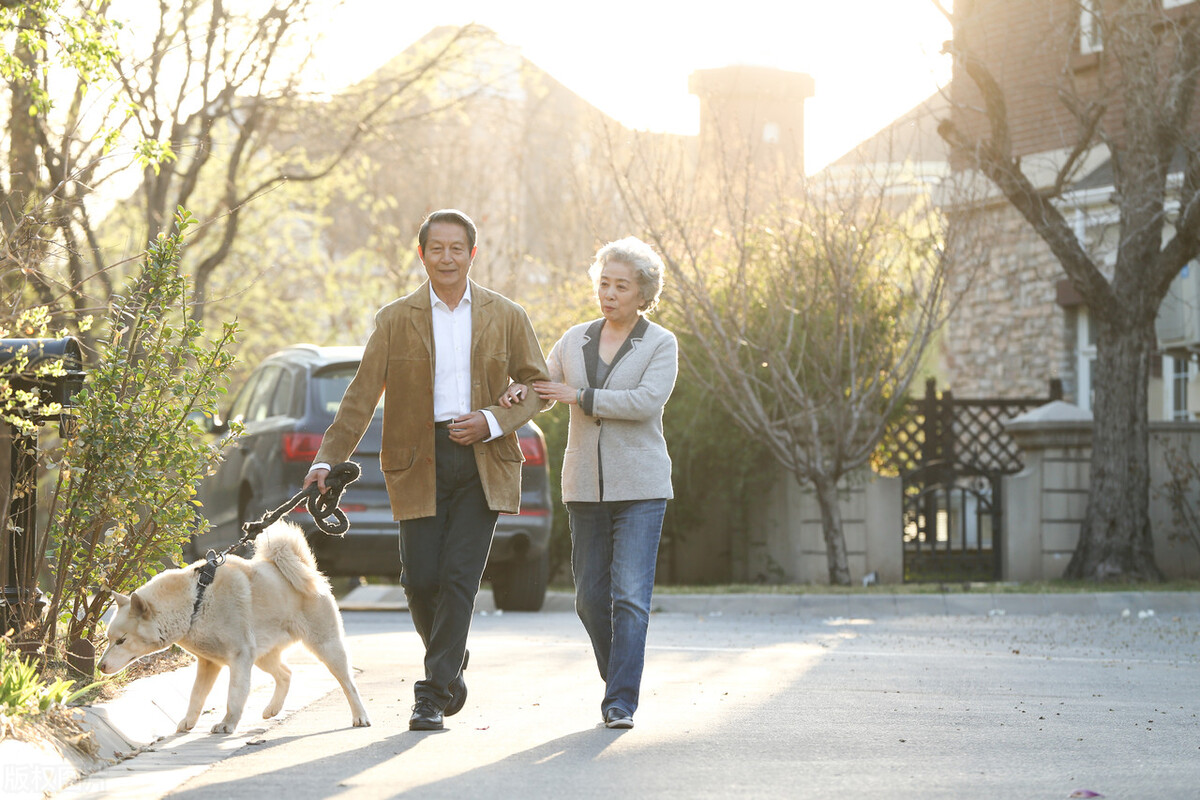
x=321, y=506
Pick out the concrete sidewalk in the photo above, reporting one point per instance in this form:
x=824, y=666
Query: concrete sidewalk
x=149, y=709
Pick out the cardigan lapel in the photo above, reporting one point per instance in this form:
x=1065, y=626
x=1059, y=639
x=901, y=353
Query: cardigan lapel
x=591, y=347
x=632, y=340
x=591, y=350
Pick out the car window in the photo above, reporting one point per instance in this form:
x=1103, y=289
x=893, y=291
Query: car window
x=260, y=402
x=330, y=384
x=282, y=401
x=238, y=410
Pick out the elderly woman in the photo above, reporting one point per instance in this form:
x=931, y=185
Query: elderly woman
x=616, y=374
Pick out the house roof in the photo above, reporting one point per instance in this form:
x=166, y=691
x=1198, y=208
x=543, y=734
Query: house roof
x=911, y=137
x=1102, y=176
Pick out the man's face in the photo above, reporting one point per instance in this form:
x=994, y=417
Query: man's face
x=447, y=257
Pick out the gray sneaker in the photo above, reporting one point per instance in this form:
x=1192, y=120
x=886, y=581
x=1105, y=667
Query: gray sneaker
x=616, y=718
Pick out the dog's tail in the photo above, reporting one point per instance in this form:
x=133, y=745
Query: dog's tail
x=283, y=544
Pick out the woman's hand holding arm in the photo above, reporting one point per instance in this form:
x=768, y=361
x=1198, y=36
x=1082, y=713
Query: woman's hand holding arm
x=558, y=392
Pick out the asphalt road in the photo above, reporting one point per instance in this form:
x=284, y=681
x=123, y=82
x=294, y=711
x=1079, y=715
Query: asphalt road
x=734, y=705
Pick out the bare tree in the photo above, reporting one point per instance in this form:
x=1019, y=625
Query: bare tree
x=42, y=43
x=211, y=98
x=804, y=307
x=1142, y=110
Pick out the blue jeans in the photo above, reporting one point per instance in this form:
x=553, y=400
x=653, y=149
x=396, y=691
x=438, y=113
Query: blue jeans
x=614, y=547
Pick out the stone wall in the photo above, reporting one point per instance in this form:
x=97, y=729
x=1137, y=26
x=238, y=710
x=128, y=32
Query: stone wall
x=1043, y=507
x=1045, y=503
x=1007, y=336
x=787, y=544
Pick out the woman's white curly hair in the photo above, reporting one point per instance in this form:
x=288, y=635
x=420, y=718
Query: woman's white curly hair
x=647, y=268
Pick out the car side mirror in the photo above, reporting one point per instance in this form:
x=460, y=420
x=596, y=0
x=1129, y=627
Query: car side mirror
x=208, y=423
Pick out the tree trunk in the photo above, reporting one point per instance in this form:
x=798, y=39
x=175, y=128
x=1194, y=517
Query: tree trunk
x=22, y=156
x=1115, y=542
x=831, y=525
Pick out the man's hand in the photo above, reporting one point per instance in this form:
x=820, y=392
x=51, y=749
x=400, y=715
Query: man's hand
x=515, y=393
x=469, y=429
x=317, y=475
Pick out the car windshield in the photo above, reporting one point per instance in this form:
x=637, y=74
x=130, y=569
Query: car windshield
x=331, y=385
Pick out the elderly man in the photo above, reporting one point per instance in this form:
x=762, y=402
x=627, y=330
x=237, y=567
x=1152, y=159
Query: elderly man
x=450, y=457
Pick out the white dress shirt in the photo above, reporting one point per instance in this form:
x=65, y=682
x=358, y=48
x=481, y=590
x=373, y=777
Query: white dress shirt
x=451, y=364
x=452, y=361
x=452, y=357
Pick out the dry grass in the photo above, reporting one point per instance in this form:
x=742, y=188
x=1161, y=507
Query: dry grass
x=59, y=727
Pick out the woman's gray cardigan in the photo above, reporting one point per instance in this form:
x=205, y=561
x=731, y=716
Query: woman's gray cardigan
x=615, y=444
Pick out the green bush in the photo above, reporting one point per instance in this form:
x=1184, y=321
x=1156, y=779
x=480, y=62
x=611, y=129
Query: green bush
x=123, y=503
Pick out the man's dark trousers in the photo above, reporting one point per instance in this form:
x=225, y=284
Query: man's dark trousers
x=442, y=559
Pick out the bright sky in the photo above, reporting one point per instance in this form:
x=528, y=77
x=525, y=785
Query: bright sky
x=872, y=60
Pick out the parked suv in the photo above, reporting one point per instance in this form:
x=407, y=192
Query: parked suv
x=285, y=407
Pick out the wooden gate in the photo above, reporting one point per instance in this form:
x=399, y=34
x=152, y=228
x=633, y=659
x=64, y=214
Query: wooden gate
x=951, y=455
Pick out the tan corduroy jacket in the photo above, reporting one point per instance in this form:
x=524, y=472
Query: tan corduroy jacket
x=398, y=359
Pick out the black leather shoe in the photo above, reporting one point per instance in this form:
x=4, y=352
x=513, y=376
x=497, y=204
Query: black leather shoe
x=458, y=689
x=425, y=717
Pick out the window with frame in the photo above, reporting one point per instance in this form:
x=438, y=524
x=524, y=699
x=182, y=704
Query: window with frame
x=1085, y=359
x=1181, y=374
x=283, y=399
x=1090, y=39
x=242, y=403
x=260, y=403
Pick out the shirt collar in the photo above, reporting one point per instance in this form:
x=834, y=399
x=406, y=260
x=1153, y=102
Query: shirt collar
x=434, y=300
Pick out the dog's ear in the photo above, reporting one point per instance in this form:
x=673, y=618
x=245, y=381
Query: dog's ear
x=140, y=607
x=121, y=600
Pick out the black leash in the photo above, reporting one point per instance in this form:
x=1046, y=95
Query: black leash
x=321, y=506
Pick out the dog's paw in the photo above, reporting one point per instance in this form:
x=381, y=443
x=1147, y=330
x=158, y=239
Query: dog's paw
x=185, y=725
x=224, y=727
x=362, y=722
x=271, y=711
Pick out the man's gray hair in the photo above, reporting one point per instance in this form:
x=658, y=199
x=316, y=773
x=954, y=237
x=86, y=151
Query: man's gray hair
x=647, y=268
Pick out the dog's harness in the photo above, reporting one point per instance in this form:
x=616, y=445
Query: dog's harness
x=321, y=506
x=205, y=578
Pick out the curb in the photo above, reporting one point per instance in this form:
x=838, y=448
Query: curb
x=146, y=714
x=385, y=597
x=957, y=604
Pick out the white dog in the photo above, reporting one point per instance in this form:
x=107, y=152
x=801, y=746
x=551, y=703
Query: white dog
x=253, y=611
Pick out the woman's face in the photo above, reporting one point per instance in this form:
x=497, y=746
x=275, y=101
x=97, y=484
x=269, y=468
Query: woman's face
x=618, y=293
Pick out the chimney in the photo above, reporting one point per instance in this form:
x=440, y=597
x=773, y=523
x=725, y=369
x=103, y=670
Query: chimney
x=757, y=107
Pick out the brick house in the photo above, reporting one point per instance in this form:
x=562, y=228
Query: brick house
x=1019, y=323
x=1022, y=323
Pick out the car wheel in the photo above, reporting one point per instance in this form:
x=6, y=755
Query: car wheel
x=520, y=585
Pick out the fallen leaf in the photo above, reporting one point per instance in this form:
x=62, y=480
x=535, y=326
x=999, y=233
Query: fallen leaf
x=1084, y=793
